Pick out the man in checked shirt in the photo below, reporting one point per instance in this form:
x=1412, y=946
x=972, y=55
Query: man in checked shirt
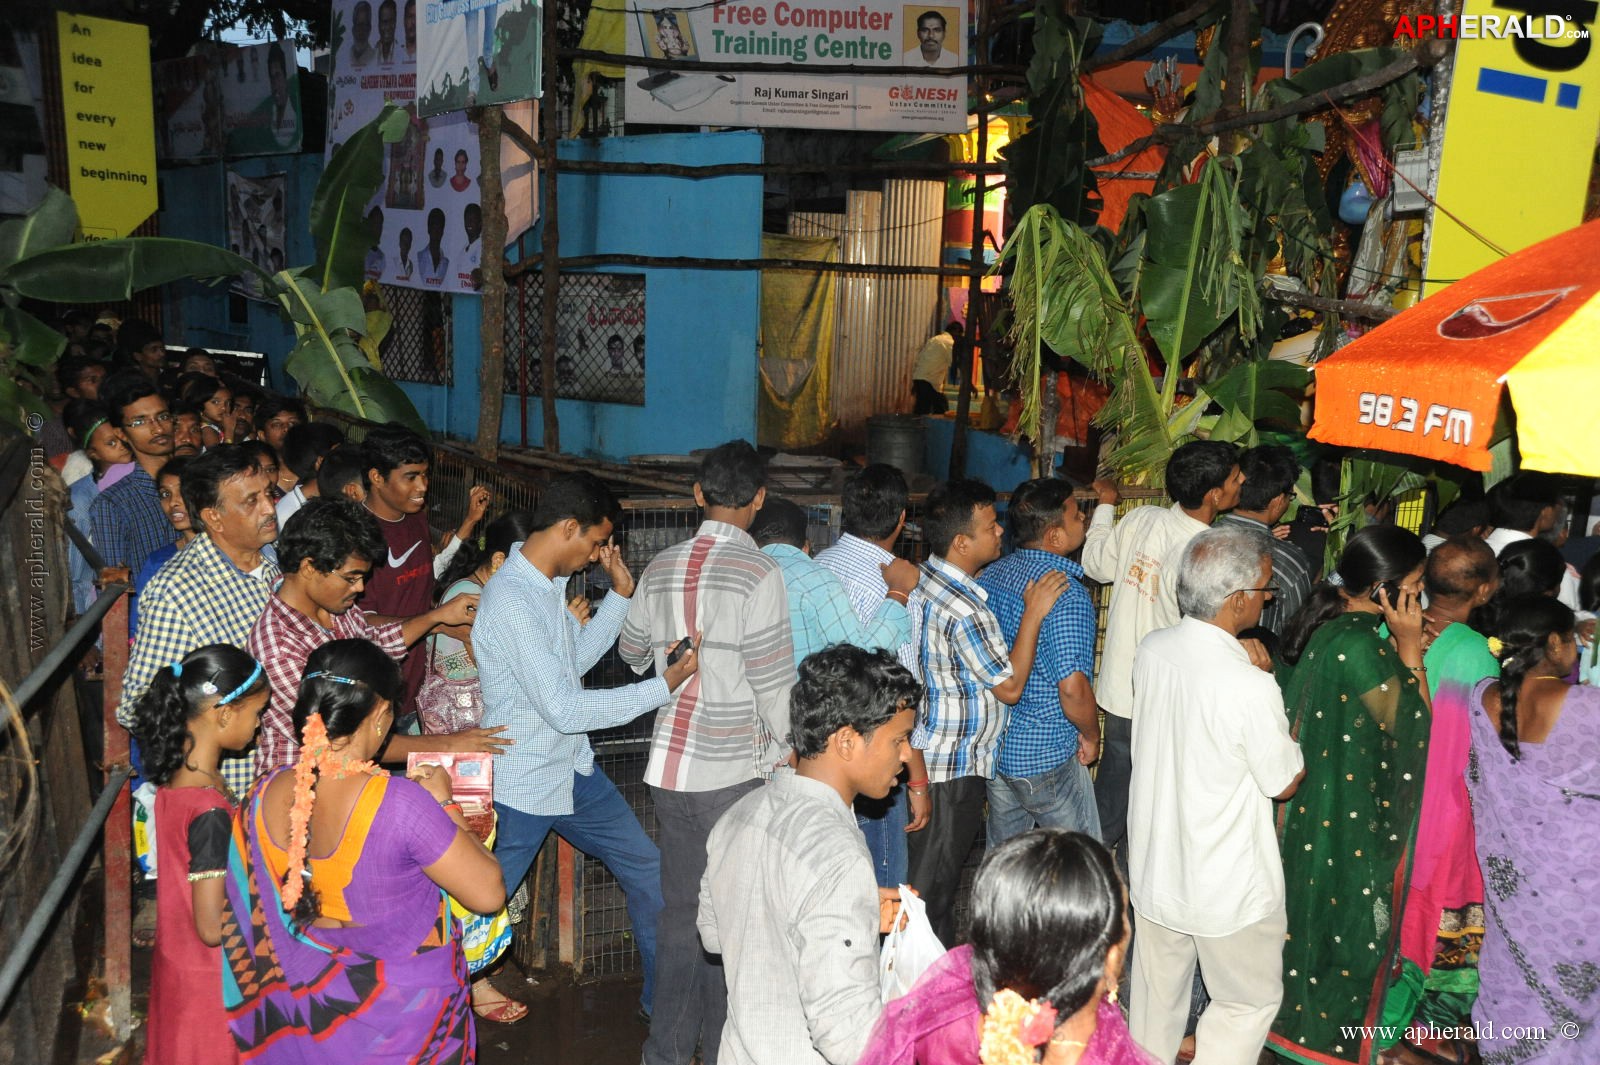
x=720, y=734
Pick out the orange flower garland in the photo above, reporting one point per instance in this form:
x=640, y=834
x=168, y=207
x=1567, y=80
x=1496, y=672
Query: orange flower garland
x=1013, y=1027
x=316, y=755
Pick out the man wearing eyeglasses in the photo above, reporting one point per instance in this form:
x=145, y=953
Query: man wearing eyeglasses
x=327, y=551
x=1211, y=754
x=126, y=522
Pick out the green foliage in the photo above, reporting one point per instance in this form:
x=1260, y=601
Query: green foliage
x=29, y=347
x=1255, y=391
x=1063, y=296
x=334, y=331
x=1045, y=164
x=1193, y=276
x=339, y=225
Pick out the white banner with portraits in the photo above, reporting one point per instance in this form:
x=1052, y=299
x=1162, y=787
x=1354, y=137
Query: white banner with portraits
x=819, y=33
x=427, y=213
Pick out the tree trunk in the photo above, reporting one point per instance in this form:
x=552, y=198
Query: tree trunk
x=492, y=307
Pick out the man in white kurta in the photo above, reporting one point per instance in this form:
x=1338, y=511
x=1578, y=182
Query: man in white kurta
x=1211, y=753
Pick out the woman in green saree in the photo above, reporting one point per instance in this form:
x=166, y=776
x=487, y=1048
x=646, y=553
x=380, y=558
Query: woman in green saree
x=1358, y=704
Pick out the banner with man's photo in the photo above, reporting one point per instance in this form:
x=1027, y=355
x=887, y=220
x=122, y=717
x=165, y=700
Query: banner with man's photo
x=599, y=339
x=824, y=33
x=228, y=101
x=256, y=223
x=427, y=214
x=476, y=52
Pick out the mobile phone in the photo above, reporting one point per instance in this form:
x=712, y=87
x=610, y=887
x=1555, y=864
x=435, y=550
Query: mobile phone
x=1390, y=588
x=678, y=650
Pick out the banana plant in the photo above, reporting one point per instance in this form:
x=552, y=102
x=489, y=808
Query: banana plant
x=29, y=347
x=322, y=300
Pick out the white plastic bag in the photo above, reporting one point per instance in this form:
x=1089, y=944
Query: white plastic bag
x=144, y=829
x=909, y=950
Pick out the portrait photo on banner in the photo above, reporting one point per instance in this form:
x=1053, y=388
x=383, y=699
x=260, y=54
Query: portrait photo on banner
x=427, y=217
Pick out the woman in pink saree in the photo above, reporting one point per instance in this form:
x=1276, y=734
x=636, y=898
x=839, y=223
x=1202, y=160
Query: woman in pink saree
x=1038, y=982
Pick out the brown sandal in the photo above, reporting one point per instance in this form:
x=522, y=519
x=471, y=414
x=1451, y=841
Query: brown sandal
x=502, y=1010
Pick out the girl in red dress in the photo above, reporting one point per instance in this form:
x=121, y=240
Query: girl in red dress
x=195, y=709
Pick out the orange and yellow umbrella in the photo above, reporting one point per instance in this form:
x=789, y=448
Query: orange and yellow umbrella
x=1429, y=381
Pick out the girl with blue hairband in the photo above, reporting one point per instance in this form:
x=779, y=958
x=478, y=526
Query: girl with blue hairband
x=195, y=709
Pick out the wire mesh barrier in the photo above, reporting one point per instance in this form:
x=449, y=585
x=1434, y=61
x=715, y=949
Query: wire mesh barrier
x=578, y=913
x=418, y=347
x=600, y=337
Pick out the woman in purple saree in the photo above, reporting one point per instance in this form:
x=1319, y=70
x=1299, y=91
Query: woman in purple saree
x=1534, y=778
x=1038, y=983
x=338, y=939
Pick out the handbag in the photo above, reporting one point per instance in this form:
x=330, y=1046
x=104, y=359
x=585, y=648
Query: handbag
x=910, y=948
x=445, y=704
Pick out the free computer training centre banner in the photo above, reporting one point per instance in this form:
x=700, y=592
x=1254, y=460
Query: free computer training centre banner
x=820, y=33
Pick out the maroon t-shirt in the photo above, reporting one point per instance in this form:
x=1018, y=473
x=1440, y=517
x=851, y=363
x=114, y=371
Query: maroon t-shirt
x=401, y=586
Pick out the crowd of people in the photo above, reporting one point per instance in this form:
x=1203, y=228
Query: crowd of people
x=1323, y=829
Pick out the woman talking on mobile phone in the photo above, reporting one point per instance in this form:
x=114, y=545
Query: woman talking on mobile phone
x=1357, y=700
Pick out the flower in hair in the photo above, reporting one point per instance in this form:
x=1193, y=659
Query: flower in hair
x=1013, y=1027
x=1495, y=646
x=316, y=754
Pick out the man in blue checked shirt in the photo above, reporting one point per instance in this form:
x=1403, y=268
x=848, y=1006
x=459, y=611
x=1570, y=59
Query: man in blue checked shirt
x=532, y=655
x=971, y=671
x=1053, y=736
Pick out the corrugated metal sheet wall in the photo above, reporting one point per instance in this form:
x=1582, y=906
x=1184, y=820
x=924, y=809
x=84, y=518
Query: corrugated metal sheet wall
x=881, y=321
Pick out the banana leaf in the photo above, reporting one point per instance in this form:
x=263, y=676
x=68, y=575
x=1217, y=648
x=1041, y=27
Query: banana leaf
x=339, y=207
x=1063, y=296
x=111, y=270
x=1254, y=392
x=1193, y=277
x=328, y=361
x=33, y=343
x=49, y=225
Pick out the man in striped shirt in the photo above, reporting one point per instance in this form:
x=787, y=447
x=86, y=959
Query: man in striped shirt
x=960, y=654
x=722, y=733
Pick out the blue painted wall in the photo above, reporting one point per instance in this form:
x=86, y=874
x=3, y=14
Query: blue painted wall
x=701, y=326
x=193, y=208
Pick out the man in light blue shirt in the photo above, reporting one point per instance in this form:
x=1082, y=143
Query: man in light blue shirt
x=873, y=513
x=820, y=612
x=532, y=655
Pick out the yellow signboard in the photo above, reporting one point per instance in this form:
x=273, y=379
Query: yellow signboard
x=1519, y=131
x=110, y=124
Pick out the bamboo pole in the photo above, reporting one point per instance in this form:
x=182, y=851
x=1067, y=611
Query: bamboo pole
x=492, y=302
x=690, y=262
x=550, y=288
x=964, y=345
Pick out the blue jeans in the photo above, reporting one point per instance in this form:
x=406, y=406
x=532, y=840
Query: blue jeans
x=1062, y=797
x=883, y=823
x=603, y=826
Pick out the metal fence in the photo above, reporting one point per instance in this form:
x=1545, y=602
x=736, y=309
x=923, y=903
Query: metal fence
x=578, y=914
x=419, y=346
x=601, y=934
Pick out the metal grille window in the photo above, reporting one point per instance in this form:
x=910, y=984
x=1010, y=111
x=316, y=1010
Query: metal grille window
x=418, y=347
x=600, y=343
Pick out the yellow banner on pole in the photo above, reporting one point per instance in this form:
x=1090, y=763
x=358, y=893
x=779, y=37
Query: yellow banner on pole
x=110, y=123
x=1519, y=131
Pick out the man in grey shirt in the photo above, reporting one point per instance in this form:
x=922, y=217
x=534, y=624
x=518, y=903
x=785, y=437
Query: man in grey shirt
x=789, y=898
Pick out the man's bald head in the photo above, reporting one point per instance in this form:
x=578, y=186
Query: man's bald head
x=1461, y=569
